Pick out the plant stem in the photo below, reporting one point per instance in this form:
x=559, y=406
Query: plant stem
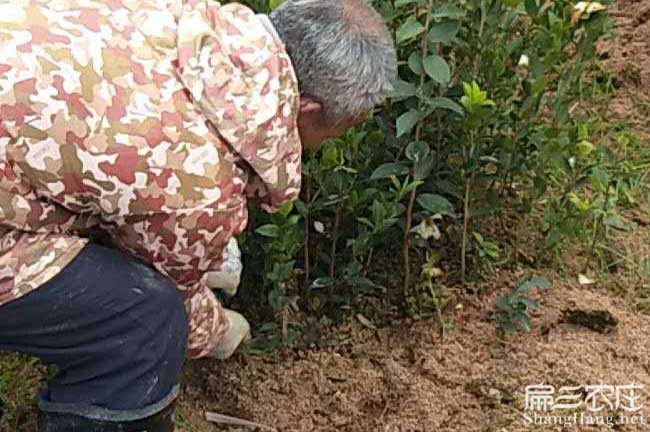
x=307, y=222
x=597, y=228
x=418, y=135
x=441, y=320
x=369, y=260
x=466, y=218
x=483, y=18
x=469, y=179
x=285, y=325
x=335, y=237
x=407, y=242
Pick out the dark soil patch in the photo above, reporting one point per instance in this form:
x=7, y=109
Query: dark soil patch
x=598, y=321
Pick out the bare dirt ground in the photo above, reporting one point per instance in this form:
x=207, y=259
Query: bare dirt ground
x=628, y=57
x=406, y=378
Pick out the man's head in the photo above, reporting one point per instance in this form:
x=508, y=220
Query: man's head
x=344, y=58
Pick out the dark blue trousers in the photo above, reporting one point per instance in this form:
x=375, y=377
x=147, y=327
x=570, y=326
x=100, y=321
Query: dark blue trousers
x=115, y=329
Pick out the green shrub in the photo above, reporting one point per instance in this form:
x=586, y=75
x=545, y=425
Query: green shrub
x=484, y=120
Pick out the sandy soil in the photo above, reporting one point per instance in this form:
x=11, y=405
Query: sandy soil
x=406, y=378
x=628, y=57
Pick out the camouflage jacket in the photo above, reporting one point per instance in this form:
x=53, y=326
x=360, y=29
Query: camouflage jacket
x=155, y=120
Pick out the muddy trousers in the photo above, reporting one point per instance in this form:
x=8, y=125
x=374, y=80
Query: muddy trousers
x=115, y=329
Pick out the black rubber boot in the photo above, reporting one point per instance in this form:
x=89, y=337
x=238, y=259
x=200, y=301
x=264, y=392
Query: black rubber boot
x=163, y=421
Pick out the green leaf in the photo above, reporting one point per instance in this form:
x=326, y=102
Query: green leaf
x=376, y=137
x=554, y=237
x=400, y=3
x=444, y=32
x=417, y=150
x=273, y=4
x=503, y=304
x=363, y=282
x=585, y=148
x=600, y=179
x=423, y=167
x=402, y=89
x=329, y=156
x=272, y=231
x=444, y=103
x=489, y=159
x=616, y=222
x=450, y=189
x=408, y=187
x=474, y=98
x=388, y=170
x=285, y=209
x=407, y=121
x=302, y=208
x=449, y=11
x=323, y=282
x=509, y=327
x=437, y=68
x=523, y=320
x=435, y=204
x=366, y=222
x=415, y=62
x=534, y=282
x=530, y=304
x=539, y=85
x=408, y=30
x=532, y=7
x=276, y=299
x=491, y=249
x=581, y=204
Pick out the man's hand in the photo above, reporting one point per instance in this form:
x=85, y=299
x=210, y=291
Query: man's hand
x=229, y=277
x=239, y=331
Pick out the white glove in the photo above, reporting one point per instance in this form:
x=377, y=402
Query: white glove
x=238, y=333
x=229, y=277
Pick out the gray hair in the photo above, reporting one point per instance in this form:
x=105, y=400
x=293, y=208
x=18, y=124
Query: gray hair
x=342, y=52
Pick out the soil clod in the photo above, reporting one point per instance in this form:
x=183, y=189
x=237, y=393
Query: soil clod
x=600, y=321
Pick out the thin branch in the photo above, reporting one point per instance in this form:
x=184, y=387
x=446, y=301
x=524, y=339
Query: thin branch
x=466, y=216
x=424, y=44
x=228, y=420
x=307, y=223
x=597, y=227
x=369, y=260
x=335, y=237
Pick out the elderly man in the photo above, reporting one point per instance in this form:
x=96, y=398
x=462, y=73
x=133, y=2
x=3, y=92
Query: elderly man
x=156, y=121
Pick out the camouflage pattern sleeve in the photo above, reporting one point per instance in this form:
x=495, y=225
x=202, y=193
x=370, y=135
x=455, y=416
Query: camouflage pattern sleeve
x=242, y=79
x=186, y=245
